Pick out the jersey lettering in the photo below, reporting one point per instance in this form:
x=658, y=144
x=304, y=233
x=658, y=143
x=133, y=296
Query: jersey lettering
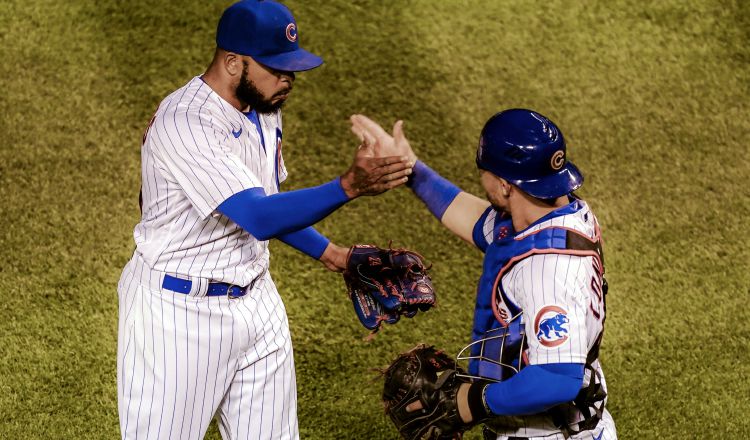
x=597, y=300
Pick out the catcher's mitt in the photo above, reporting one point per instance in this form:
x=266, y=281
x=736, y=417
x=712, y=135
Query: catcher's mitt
x=420, y=395
x=385, y=284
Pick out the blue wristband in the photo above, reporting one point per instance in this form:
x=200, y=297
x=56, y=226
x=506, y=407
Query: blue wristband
x=433, y=189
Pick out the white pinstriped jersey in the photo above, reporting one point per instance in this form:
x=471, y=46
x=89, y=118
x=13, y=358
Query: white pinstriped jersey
x=198, y=151
x=556, y=282
x=563, y=312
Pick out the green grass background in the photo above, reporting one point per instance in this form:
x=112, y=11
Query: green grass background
x=653, y=99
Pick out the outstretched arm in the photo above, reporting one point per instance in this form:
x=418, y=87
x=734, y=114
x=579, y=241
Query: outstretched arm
x=462, y=215
x=459, y=211
x=268, y=216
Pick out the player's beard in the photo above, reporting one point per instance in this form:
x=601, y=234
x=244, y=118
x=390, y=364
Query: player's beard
x=249, y=94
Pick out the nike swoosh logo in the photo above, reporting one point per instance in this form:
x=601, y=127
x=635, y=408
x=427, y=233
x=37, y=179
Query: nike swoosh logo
x=237, y=133
x=599, y=437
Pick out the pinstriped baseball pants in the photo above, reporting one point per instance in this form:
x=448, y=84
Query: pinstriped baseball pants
x=182, y=359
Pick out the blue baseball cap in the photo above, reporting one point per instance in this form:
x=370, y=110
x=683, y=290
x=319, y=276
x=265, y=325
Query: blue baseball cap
x=266, y=31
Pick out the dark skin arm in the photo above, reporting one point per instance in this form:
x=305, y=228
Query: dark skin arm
x=334, y=257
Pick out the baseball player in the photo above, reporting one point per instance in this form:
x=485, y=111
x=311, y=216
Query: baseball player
x=540, y=309
x=202, y=328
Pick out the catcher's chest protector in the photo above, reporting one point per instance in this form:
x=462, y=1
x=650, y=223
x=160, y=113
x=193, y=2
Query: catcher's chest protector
x=493, y=307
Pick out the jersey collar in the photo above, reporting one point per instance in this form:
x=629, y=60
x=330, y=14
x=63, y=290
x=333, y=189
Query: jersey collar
x=574, y=206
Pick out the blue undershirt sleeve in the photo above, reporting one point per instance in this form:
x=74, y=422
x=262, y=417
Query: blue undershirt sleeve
x=308, y=241
x=478, y=233
x=434, y=190
x=266, y=217
x=535, y=389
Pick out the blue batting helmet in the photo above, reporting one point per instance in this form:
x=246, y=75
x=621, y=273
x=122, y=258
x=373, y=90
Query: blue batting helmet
x=528, y=150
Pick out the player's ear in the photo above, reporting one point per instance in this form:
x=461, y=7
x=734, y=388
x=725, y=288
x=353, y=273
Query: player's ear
x=505, y=187
x=232, y=63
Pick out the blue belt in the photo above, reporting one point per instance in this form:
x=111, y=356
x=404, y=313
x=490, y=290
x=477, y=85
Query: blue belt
x=214, y=289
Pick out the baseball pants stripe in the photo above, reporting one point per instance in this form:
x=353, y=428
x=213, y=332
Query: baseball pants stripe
x=183, y=359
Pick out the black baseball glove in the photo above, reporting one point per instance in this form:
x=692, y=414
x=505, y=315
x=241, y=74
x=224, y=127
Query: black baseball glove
x=420, y=392
x=385, y=284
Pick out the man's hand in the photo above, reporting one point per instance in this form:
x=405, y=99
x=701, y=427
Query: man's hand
x=372, y=174
x=334, y=257
x=383, y=143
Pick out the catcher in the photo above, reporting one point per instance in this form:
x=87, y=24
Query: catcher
x=533, y=364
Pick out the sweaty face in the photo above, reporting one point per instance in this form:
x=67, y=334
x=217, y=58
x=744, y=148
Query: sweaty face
x=268, y=92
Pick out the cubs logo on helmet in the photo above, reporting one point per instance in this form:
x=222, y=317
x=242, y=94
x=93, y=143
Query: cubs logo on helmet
x=558, y=160
x=550, y=326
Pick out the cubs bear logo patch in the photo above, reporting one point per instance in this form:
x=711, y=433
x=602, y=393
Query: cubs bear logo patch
x=550, y=326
